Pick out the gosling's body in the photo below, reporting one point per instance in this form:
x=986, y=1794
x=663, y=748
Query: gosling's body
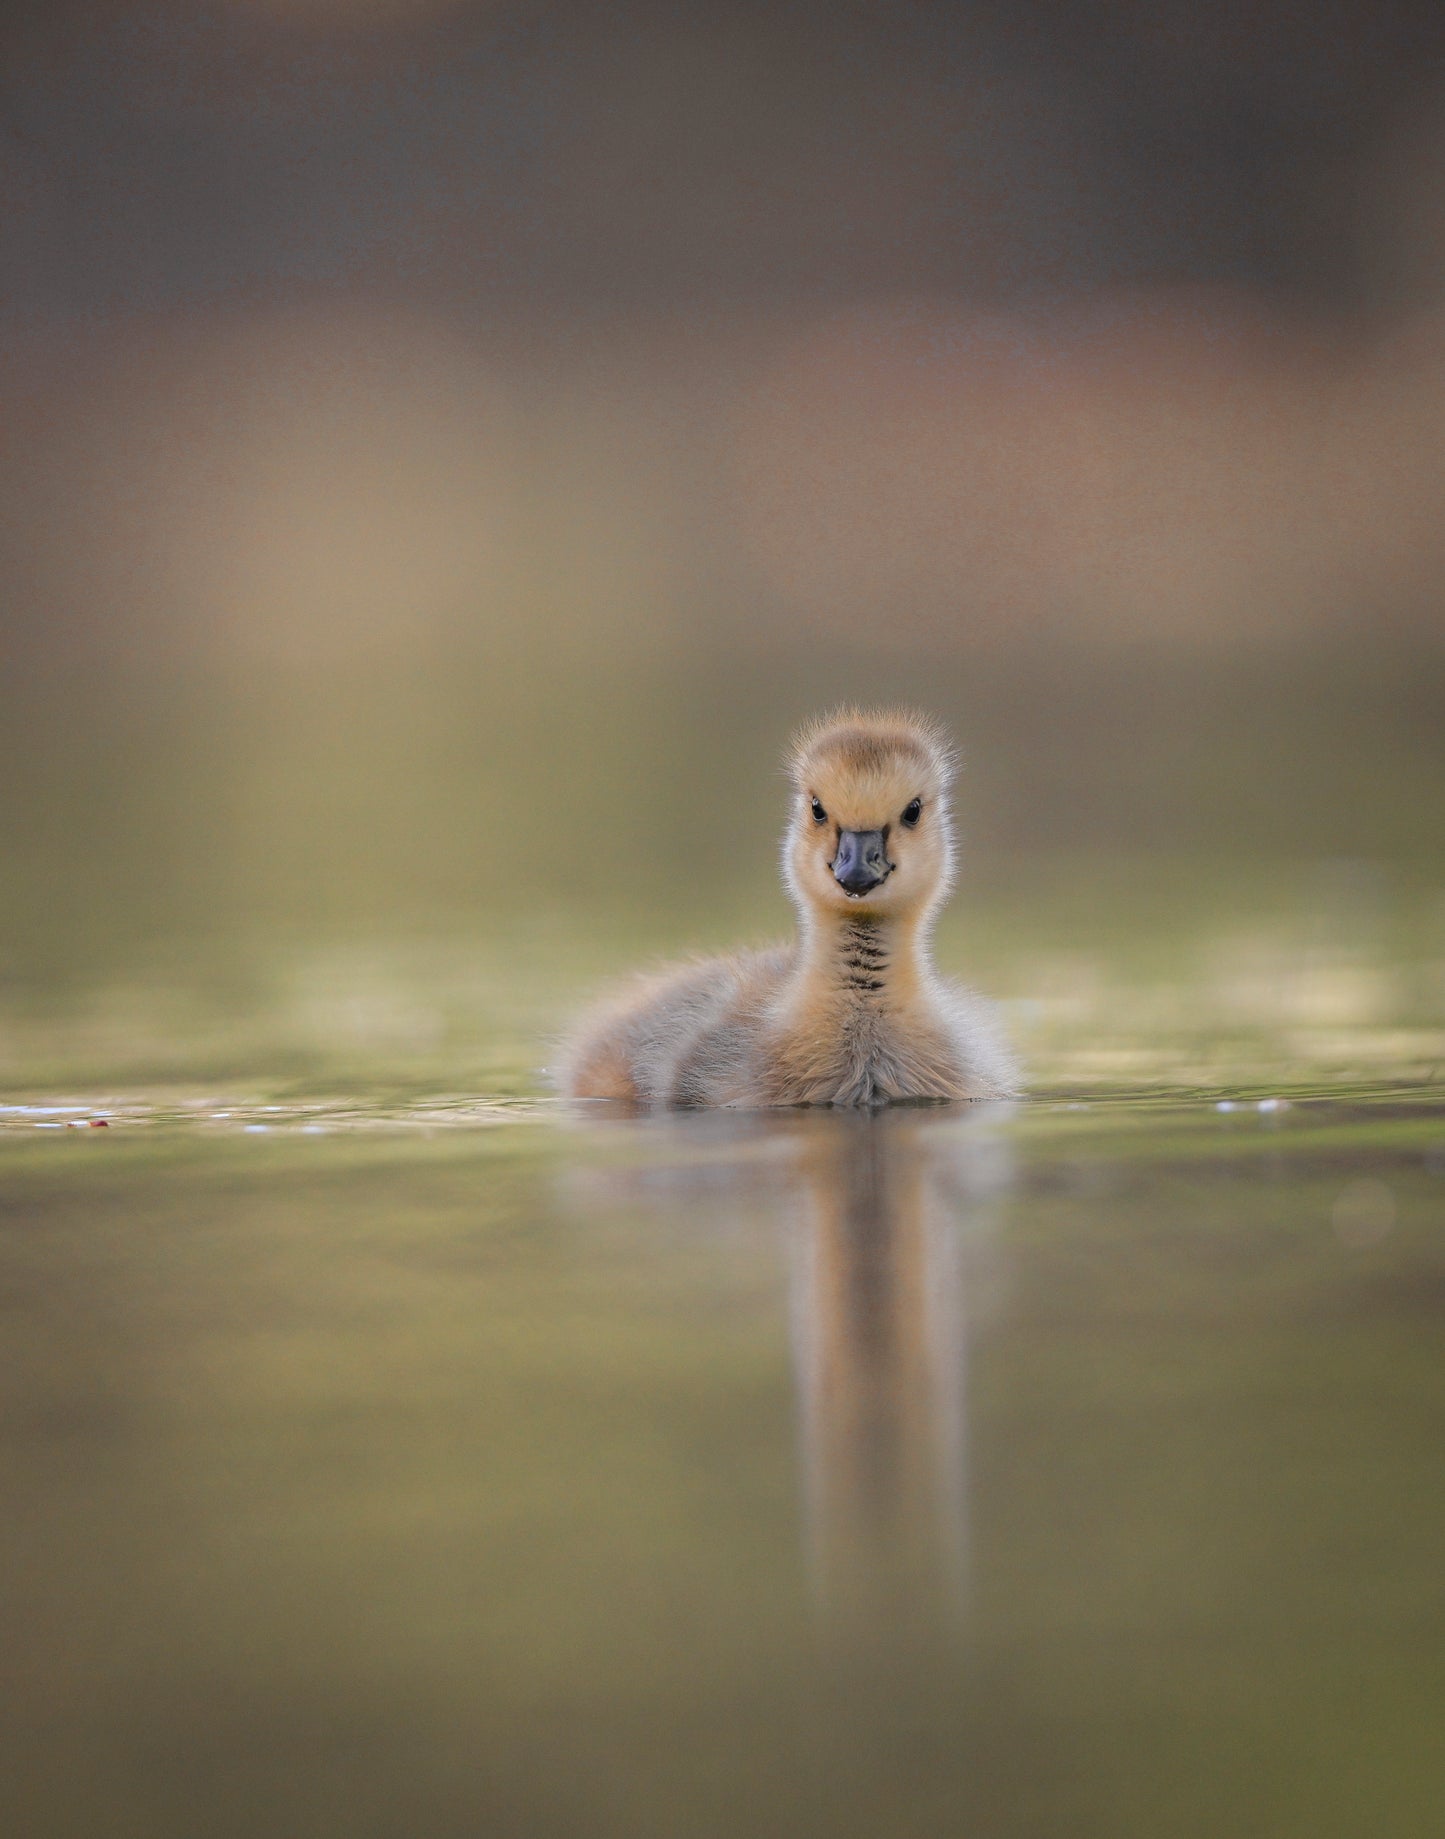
x=853, y=1013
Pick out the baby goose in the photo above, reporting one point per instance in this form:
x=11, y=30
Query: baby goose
x=853, y=1013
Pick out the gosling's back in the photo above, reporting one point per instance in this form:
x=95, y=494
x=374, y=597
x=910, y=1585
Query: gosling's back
x=690, y=1035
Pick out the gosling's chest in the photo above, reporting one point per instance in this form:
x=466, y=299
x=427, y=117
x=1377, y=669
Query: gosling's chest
x=863, y=1054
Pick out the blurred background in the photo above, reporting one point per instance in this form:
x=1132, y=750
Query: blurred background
x=445, y=447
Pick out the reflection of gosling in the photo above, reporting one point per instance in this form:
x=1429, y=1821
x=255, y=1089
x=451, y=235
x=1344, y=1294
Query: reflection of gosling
x=853, y=1013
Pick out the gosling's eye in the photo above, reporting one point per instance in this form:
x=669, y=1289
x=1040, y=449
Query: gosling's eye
x=820, y=816
x=913, y=812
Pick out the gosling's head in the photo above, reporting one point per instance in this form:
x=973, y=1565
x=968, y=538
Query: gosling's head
x=870, y=833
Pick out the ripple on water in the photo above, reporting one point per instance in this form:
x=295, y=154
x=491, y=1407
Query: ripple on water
x=311, y=1117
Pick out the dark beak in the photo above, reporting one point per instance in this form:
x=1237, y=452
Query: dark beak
x=860, y=863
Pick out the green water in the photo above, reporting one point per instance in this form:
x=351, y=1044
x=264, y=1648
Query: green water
x=389, y=1449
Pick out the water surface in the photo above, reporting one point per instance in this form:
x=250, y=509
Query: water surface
x=456, y=1465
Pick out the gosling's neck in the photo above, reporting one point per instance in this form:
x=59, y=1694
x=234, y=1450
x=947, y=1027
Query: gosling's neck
x=867, y=961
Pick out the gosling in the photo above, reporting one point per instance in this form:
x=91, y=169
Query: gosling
x=852, y=1013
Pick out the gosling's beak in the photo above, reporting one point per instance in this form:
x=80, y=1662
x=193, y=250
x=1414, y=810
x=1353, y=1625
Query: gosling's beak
x=860, y=863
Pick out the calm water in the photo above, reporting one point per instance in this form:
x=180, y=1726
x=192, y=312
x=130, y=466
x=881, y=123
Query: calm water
x=446, y=1466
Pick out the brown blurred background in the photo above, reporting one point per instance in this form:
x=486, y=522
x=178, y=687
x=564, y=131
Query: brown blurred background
x=445, y=446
